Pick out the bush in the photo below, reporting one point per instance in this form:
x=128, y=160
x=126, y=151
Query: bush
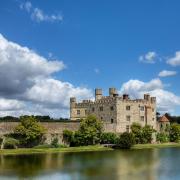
x=10, y=143
x=147, y=132
x=174, y=133
x=136, y=129
x=68, y=136
x=126, y=140
x=162, y=137
x=54, y=143
x=109, y=138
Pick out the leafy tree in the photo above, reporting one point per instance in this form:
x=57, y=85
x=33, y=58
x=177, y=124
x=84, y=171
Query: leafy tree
x=90, y=130
x=29, y=131
x=162, y=137
x=174, y=133
x=68, y=136
x=126, y=140
x=147, y=132
x=109, y=138
x=136, y=129
x=54, y=143
x=10, y=143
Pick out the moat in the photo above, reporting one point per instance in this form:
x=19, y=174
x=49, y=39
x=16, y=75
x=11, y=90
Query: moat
x=150, y=164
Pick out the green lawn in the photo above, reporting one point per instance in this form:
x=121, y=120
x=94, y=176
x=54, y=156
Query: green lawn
x=54, y=150
x=81, y=149
x=147, y=146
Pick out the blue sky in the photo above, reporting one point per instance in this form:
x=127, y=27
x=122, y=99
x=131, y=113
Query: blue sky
x=102, y=43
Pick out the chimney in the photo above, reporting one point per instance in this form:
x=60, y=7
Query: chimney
x=153, y=99
x=98, y=94
x=125, y=96
x=147, y=97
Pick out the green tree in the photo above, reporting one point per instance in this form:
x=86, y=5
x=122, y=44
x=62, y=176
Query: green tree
x=147, y=132
x=162, y=137
x=109, y=138
x=29, y=131
x=126, y=140
x=68, y=136
x=89, y=132
x=136, y=129
x=174, y=133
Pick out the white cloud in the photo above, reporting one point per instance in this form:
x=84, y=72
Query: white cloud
x=38, y=14
x=166, y=101
x=166, y=73
x=26, y=78
x=174, y=61
x=149, y=57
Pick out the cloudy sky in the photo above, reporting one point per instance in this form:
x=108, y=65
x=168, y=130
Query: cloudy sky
x=52, y=50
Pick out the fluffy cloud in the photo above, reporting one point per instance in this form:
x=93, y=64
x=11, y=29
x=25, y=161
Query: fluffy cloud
x=166, y=101
x=166, y=73
x=27, y=86
x=174, y=61
x=149, y=57
x=38, y=15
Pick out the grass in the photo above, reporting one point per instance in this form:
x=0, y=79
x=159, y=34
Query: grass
x=148, y=146
x=79, y=149
x=54, y=150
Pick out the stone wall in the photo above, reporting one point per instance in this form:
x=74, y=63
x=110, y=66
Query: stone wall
x=54, y=129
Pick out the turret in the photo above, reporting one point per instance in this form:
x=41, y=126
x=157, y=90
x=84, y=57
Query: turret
x=147, y=97
x=72, y=101
x=112, y=92
x=98, y=94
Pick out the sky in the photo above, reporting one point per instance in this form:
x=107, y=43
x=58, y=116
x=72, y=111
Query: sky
x=52, y=50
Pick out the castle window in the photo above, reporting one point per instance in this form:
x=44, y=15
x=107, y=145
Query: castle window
x=142, y=108
x=152, y=109
x=142, y=118
x=93, y=109
x=101, y=118
x=128, y=118
x=128, y=108
x=152, y=119
x=112, y=108
x=78, y=112
x=101, y=108
x=86, y=111
x=127, y=128
x=112, y=120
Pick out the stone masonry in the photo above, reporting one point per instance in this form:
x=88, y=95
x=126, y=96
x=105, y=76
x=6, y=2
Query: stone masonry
x=117, y=112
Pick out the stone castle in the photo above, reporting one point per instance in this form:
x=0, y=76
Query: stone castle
x=117, y=112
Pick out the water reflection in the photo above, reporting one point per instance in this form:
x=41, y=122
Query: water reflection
x=133, y=164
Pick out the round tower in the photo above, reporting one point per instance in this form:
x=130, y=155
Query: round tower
x=98, y=94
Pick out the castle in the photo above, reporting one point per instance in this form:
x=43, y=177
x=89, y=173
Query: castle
x=117, y=112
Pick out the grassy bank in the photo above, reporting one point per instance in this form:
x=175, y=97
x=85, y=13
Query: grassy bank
x=80, y=149
x=54, y=150
x=148, y=146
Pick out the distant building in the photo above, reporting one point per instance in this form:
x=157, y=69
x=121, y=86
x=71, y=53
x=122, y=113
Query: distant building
x=117, y=112
x=163, y=123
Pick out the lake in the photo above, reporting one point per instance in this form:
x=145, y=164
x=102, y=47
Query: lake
x=150, y=164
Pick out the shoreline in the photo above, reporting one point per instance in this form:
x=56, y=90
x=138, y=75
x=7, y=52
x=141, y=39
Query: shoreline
x=92, y=148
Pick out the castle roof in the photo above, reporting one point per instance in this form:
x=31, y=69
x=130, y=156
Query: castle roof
x=163, y=119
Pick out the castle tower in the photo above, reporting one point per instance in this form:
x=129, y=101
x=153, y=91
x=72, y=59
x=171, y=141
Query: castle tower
x=112, y=92
x=98, y=94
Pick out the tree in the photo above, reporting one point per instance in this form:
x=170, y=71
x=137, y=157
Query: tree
x=147, y=132
x=126, y=140
x=29, y=131
x=68, y=136
x=136, y=129
x=89, y=132
x=174, y=133
x=109, y=138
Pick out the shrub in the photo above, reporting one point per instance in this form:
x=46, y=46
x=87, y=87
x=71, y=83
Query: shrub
x=147, y=132
x=68, y=136
x=109, y=138
x=10, y=143
x=174, y=132
x=162, y=137
x=54, y=143
x=126, y=140
x=136, y=129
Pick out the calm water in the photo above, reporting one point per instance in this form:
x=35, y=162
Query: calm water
x=150, y=164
